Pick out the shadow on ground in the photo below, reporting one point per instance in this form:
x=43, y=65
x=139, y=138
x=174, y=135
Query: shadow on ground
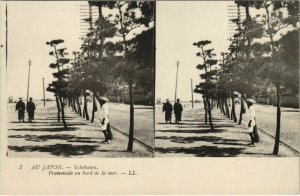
x=56, y=129
x=64, y=150
x=44, y=138
x=202, y=151
x=48, y=124
x=192, y=131
x=212, y=139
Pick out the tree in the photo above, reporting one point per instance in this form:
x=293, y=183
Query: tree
x=97, y=56
x=242, y=51
x=206, y=88
x=276, y=68
x=127, y=20
x=59, y=87
x=143, y=53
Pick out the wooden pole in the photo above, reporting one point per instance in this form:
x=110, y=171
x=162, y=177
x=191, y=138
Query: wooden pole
x=176, y=80
x=192, y=93
x=44, y=91
x=29, y=63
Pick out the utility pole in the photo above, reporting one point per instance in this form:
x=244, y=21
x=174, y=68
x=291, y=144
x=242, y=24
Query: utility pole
x=192, y=93
x=44, y=91
x=29, y=63
x=176, y=81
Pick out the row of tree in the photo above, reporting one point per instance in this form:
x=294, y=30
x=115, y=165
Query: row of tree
x=118, y=47
x=253, y=64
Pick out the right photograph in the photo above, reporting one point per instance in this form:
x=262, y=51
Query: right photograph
x=227, y=79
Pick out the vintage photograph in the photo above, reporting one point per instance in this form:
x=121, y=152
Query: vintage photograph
x=227, y=79
x=80, y=78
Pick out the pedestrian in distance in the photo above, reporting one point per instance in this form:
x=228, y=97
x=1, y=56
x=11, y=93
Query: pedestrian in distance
x=167, y=108
x=177, y=111
x=30, y=107
x=102, y=115
x=20, y=106
x=251, y=120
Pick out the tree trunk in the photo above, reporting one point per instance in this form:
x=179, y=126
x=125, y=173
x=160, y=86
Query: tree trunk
x=231, y=113
x=70, y=103
x=248, y=18
x=131, y=125
x=205, y=108
x=222, y=107
x=227, y=109
x=74, y=105
x=233, y=109
x=101, y=27
x=93, y=108
x=278, y=119
x=241, y=111
x=85, y=106
x=62, y=111
x=83, y=111
x=58, y=108
x=209, y=114
x=78, y=106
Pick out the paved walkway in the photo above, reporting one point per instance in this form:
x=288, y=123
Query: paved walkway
x=46, y=138
x=193, y=138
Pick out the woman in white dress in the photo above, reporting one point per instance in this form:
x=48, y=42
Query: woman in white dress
x=251, y=119
x=103, y=119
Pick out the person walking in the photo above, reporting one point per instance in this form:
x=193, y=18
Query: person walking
x=102, y=115
x=251, y=120
x=167, y=108
x=177, y=111
x=20, y=106
x=30, y=107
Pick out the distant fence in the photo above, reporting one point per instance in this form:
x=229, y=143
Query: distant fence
x=286, y=101
x=138, y=99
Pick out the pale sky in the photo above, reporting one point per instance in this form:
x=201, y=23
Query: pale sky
x=179, y=25
x=30, y=26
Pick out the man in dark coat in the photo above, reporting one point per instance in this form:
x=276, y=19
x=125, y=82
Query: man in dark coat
x=167, y=108
x=20, y=106
x=177, y=111
x=30, y=107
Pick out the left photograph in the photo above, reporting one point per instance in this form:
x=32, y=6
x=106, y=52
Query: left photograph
x=80, y=78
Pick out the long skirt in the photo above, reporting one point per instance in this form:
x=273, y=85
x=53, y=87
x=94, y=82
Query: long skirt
x=21, y=114
x=31, y=115
x=178, y=116
x=168, y=116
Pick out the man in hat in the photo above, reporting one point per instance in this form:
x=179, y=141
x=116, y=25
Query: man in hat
x=20, y=106
x=30, y=107
x=251, y=120
x=102, y=116
x=177, y=111
x=167, y=108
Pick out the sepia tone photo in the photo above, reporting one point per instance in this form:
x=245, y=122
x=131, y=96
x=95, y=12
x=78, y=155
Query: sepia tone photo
x=123, y=97
x=80, y=78
x=227, y=79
